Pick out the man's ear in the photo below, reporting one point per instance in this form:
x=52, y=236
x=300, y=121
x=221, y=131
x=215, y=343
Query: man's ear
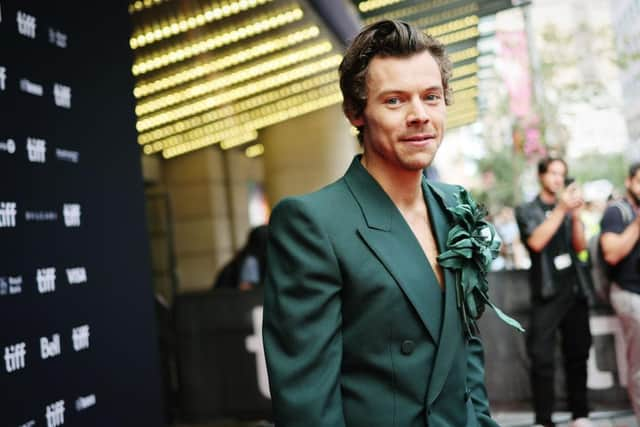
x=355, y=120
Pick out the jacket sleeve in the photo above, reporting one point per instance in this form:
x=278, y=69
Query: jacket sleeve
x=302, y=320
x=475, y=383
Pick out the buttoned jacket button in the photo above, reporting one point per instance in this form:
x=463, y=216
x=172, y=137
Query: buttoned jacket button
x=407, y=347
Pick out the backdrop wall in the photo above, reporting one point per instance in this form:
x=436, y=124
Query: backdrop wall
x=77, y=336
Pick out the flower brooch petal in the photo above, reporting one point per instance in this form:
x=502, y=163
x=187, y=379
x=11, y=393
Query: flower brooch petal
x=472, y=244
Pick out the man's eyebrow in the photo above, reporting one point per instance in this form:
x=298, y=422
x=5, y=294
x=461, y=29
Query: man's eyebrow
x=426, y=89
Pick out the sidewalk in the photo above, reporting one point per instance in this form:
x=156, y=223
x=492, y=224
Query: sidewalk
x=562, y=419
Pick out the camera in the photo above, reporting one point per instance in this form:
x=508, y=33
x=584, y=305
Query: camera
x=568, y=181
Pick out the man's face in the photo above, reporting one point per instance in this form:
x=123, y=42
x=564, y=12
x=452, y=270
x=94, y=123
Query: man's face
x=404, y=117
x=633, y=187
x=552, y=180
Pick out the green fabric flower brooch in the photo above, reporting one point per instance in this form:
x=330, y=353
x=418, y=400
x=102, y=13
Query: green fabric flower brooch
x=472, y=244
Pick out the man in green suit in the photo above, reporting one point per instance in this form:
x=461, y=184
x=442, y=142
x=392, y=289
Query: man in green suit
x=361, y=323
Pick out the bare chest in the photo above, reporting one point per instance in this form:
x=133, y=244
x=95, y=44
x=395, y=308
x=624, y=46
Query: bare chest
x=421, y=228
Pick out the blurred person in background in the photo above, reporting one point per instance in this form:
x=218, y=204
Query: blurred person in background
x=619, y=240
x=553, y=234
x=246, y=270
x=507, y=228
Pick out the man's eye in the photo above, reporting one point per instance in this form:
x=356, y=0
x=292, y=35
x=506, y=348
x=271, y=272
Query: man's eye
x=393, y=101
x=432, y=97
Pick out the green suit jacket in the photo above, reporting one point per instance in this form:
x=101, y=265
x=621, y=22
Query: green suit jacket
x=357, y=331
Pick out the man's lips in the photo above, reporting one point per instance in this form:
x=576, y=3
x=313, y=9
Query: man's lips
x=418, y=138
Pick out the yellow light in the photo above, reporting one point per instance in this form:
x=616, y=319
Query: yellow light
x=465, y=83
x=239, y=107
x=465, y=70
x=216, y=40
x=462, y=107
x=197, y=19
x=369, y=5
x=459, y=36
x=254, y=150
x=236, y=57
x=248, y=73
x=426, y=8
x=455, y=25
x=465, y=94
x=258, y=123
x=256, y=86
x=243, y=138
x=247, y=118
x=463, y=55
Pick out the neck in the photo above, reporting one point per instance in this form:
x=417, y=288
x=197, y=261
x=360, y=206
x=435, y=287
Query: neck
x=403, y=187
x=547, y=196
x=632, y=200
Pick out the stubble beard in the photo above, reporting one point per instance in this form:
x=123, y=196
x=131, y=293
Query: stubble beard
x=634, y=197
x=417, y=160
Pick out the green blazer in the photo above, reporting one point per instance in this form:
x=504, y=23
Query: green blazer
x=357, y=331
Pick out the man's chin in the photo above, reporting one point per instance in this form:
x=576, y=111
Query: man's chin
x=417, y=164
x=418, y=161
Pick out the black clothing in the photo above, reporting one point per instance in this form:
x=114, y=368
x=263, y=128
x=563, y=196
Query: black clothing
x=627, y=272
x=544, y=277
x=570, y=316
x=560, y=292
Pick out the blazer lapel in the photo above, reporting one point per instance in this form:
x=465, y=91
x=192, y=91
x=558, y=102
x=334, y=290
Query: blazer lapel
x=391, y=240
x=451, y=325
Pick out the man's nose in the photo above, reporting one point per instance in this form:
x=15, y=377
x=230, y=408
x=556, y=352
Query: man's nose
x=418, y=113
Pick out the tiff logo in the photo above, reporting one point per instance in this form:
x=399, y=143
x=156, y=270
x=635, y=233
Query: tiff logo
x=62, y=95
x=31, y=87
x=80, y=337
x=67, y=155
x=50, y=348
x=37, y=150
x=26, y=24
x=57, y=38
x=9, y=146
x=10, y=285
x=84, y=402
x=46, y=278
x=3, y=78
x=71, y=212
x=76, y=275
x=253, y=343
x=15, y=356
x=55, y=414
x=8, y=212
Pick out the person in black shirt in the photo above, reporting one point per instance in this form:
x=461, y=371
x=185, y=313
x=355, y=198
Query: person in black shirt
x=553, y=234
x=620, y=235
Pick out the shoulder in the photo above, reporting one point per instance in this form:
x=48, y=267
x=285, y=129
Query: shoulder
x=318, y=204
x=614, y=214
x=527, y=207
